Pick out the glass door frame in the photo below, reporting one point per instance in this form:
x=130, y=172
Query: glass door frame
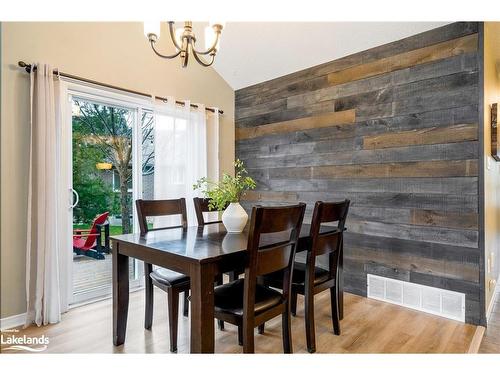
x=113, y=98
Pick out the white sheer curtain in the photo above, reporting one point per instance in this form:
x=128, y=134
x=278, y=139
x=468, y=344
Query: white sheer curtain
x=212, y=153
x=47, y=236
x=181, y=156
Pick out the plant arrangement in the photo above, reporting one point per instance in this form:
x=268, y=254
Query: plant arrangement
x=229, y=189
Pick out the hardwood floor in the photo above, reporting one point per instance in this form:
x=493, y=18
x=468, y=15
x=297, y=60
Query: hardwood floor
x=369, y=326
x=491, y=338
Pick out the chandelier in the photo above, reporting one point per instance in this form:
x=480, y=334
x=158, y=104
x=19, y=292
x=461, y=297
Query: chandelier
x=184, y=41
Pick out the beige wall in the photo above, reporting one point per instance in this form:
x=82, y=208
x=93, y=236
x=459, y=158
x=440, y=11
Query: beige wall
x=115, y=53
x=492, y=175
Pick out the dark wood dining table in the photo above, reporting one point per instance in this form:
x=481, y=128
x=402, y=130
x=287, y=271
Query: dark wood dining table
x=200, y=252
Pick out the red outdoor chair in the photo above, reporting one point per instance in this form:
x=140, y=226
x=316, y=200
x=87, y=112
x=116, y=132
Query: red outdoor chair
x=88, y=241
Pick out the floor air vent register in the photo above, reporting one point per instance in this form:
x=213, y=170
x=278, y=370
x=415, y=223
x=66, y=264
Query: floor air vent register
x=431, y=300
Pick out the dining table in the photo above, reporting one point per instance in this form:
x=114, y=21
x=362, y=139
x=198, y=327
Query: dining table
x=202, y=253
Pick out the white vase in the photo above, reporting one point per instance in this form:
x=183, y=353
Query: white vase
x=234, y=218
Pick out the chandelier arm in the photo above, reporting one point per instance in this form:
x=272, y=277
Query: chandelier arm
x=164, y=56
x=172, y=34
x=201, y=61
x=211, y=49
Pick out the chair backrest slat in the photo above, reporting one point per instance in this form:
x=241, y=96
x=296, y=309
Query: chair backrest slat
x=274, y=221
x=273, y=259
x=201, y=205
x=155, y=208
x=327, y=243
x=333, y=211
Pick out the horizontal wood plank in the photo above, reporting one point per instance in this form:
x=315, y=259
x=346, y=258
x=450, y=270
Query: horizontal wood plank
x=434, y=135
x=435, y=52
x=401, y=265
x=432, y=218
x=444, y=219
x=421, y=185
x=449, y=203
x=453, y=168
x=327, y=120
x=309, y=154
x=411, y=248
x=465, y=238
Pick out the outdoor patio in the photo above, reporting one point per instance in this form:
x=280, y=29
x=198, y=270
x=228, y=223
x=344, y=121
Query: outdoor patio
x=92, y=277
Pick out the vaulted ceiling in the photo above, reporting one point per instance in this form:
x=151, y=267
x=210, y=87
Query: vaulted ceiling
x=254, y=52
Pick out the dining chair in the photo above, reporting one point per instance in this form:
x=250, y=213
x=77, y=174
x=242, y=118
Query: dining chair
x=201, y=205
x=167, y=280
x=271, y=246
x=309, y=279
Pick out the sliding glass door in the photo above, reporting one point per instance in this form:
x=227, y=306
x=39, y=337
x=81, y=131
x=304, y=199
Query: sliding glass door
x=112, y=160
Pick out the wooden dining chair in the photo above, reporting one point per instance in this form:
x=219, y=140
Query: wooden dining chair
x=272, y=240
x=309, y=279
x=169, y=281
x=201, y=205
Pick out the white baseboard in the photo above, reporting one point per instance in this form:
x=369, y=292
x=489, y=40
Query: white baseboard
x=496, y=293
x=12, y=321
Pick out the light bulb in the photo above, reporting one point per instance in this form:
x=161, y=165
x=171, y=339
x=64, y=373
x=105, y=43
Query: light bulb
x=152, y=27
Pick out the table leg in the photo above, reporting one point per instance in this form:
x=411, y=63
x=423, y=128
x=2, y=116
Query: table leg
x=202, y=308
x=120, y=295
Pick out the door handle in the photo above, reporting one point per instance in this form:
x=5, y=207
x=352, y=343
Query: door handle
x=77, y=198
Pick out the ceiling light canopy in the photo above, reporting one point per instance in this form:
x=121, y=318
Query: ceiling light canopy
x=184, y=41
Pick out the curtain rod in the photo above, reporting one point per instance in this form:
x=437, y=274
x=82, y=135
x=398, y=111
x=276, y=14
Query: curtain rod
x=27, y=67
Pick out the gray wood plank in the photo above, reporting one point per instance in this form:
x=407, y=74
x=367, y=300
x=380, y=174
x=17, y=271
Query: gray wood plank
x=313, y=155
x=411, y=248
x=442, y=219
x=434, y=168
x=450, y=203
x=446, y=185
x=462, y=237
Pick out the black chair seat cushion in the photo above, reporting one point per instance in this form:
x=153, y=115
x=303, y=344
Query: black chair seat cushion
x=299, y=276
x=228, y=298
x=167, y=277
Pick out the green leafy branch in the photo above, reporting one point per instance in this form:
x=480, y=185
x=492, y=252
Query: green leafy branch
x=228, y=190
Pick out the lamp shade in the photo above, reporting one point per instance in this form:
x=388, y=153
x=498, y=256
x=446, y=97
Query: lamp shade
x=210, y=36
x=152, y=27
x=103, y=166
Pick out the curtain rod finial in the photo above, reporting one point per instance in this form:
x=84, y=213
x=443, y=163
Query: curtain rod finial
x=22, y=64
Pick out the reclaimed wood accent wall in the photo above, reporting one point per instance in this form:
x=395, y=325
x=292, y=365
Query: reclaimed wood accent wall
x=395, y=130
